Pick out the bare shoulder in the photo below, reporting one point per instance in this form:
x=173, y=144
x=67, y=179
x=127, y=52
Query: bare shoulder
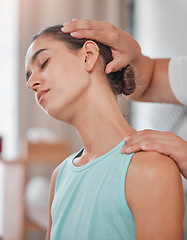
x=53, y=180
x=154, y=165
x=155, y=196
x=152, y=168
x=55, y=173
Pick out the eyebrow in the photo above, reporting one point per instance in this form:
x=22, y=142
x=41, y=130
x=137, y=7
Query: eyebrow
x=33, y=59
x=35, y=55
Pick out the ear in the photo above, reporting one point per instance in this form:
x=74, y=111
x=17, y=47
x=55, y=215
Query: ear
x=91, y=54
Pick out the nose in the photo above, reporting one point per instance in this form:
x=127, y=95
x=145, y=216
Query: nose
x=33, y=83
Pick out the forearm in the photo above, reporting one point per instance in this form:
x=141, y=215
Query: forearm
x=152, y=81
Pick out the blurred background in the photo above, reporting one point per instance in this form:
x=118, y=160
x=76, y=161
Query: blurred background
x=32, y=143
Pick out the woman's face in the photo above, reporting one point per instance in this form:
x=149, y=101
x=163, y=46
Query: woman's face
x=57, y=75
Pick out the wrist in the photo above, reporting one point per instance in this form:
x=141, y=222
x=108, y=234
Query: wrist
x=144, y=68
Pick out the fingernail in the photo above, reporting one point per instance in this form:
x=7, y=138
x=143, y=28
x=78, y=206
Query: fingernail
x=65, y=28
x=109, y=70
x=73, y=34
x=126, y=138
x=128, y=149
x=123, y=149
x=74, y=19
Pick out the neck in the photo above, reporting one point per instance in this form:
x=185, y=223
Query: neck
x=100, y=123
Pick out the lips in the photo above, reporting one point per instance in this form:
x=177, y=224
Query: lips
x=41, y=94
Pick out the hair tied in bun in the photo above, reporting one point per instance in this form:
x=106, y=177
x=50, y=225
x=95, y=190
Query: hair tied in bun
x=123, y=81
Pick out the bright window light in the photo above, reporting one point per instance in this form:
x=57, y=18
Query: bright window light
x=8, y=87
x=9, y=77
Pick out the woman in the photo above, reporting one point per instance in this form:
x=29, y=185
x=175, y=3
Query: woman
x=93, y=196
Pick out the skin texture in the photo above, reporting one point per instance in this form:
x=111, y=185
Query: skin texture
x=163, y=142
x=72, y=79
x=152, y=84
x=157, y=208
x=48, y=78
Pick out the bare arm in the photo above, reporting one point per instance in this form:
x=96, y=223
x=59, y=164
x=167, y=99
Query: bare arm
x=152, y=79
x=155, y=195
x=51, y=196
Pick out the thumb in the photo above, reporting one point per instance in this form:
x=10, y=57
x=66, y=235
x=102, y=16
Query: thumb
x=114, y=66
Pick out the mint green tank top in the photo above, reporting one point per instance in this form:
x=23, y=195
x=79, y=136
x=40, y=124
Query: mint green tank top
x=89, y=201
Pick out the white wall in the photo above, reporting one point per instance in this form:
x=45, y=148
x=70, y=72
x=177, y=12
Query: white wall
x=8, y=87
x=160, y=28
x=9, y=19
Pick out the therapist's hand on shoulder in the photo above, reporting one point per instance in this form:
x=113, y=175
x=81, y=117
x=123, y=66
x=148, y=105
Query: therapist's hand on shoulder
x=166, y=143
x=125, y=49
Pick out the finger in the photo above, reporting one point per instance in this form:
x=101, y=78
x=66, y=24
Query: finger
x=166, y=143
x=154, y=133
x=135, y=141
x=127, y=138
x=130, y=149
x=151, y=140
x=115, y=65
x=161, y=148
x=96, y=35
x=79, y=24
x=74, y=19
x=149, y=136
x=161, y=138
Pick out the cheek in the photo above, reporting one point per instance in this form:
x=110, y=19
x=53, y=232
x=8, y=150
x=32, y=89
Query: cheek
x=64, y=101
x=68, y=78
x=67, y=82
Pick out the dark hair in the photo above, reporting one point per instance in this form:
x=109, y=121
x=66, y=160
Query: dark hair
x=121, y=81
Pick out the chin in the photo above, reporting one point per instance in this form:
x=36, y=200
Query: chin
x=60, y=115
x=52, y=113
x=62, y=110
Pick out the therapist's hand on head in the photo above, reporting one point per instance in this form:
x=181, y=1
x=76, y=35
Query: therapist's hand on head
x=166, y=143
x=125, y=49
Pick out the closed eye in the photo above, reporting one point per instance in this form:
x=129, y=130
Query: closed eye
x=43, y=65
